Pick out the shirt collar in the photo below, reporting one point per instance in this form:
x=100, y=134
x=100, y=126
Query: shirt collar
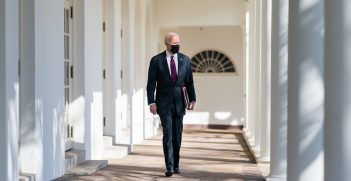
x=170, y=54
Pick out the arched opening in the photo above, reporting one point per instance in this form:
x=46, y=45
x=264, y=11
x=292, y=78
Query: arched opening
x=212, y=61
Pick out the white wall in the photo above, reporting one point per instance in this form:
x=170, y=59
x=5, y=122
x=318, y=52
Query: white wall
x=226, y=108
x=203, y=25
x=199, y=12
x=9, y=90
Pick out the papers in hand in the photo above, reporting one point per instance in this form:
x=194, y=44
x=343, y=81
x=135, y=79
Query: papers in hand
x=185, y=97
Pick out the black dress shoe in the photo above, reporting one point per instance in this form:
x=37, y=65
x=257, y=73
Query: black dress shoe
x=168, y=173
x=176, y=171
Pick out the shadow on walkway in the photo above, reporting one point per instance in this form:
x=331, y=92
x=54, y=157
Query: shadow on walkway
x=205, y=155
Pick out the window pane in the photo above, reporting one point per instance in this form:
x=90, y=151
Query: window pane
x=66, y=73
x=67, y=135
x=66, y=44
x=66, y=21
x=211, y=61
x=66, y=95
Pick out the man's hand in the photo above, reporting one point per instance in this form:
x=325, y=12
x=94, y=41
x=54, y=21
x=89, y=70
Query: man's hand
x=191, y=106
x=153, y=109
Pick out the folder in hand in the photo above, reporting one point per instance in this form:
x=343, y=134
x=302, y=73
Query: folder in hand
x=185, y=97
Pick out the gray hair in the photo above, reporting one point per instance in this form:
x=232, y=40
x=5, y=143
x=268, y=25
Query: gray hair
x=170, y=35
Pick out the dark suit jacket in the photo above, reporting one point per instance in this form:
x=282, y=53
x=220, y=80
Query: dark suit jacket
x=159, y=79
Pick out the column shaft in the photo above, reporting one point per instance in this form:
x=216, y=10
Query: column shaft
x=93, y=78
x=265, y=81
x=42, y=89
x=250, y=89
x=112, y=66
x=9, y=90
x=306, y=91
x=338, y=90
x=257, y=121
x=279, y=87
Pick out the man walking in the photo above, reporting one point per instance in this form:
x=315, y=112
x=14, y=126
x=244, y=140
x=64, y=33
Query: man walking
x=169, y=71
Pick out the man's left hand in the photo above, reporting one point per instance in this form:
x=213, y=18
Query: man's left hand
x=191, y=106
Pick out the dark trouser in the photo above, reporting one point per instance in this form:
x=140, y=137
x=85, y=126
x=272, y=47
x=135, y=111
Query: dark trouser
x=172, y=125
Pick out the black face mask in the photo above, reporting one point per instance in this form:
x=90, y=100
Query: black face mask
x=174, y=49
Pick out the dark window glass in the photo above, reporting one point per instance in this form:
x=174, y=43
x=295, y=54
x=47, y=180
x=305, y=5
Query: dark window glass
x=66, y=73
x=66, y=22
x=67, y=95
x=66, y=44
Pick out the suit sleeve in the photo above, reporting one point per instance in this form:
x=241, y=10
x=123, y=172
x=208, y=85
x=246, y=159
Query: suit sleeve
x=189, y=82
x=151, y=82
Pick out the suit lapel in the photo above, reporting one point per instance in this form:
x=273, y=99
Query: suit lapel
x=181, y=70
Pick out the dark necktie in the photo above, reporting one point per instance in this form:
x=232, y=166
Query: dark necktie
x=173, y=70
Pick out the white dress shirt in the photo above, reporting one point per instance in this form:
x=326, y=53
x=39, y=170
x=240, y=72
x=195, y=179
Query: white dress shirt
x=175, y=57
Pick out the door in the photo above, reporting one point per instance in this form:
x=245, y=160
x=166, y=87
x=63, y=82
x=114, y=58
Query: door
x=68, y=72
x=104, y=68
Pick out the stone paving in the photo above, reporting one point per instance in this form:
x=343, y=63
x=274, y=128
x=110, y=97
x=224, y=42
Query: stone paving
x=205, y=155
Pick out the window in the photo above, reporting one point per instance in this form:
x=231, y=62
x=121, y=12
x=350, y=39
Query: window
x=211, y=61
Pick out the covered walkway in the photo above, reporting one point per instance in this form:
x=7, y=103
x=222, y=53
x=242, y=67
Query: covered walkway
x=205, y=155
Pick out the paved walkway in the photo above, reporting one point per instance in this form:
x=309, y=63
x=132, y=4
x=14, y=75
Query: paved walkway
x=205, y=155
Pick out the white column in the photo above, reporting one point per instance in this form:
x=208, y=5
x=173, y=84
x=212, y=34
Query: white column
x=250, y=52
x=93, y=78
x=130, y=69
x=306, y=91
x=88, y=77
x=42, y=89
x=279, y=88
x=78, y=87
x=108, y=63
x=139, y=69
x=257, y=65
x=245, y=32
x=49, y=87
x=118, y=64
x=126, y=129
x=112, y=51
x=31, y=146
x=123, y=127
x=9, y=90
x=338, y=90
x=265, y=81
x=150, y=125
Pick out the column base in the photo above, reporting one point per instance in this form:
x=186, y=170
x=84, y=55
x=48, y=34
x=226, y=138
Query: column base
x=264, y=160
x=276, y=178
x=250, y=139
x=256, y=150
